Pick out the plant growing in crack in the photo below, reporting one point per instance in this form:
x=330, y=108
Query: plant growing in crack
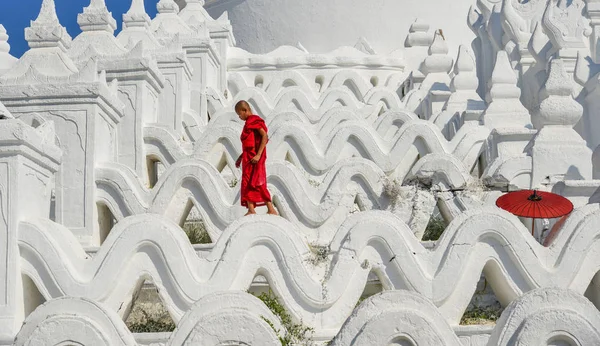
x=393, y=190
x=435, y=228
x=401, y=194
x=319, y=254
x=482, y=310
x=481, y=315
x=196, y=232
x=294, y=333
x=314, y=183
x=475, y=189
x=151, y=324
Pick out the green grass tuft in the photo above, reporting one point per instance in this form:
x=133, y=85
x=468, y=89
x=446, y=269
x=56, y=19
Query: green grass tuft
x=297, y=333
x=196, y=232
x=435, y=228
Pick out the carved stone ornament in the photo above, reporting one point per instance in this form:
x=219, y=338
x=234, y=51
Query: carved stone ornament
x=46, y=31
x=96, y=17
x=565, y=25
x=520, y=17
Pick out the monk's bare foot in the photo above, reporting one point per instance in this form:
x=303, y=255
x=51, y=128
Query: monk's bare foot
x=250, y=213
x=273, y=213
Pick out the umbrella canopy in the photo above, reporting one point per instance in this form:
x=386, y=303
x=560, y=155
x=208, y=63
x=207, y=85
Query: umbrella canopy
x=535, y=204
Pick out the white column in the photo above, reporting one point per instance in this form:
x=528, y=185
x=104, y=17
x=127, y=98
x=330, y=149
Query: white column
x=28, y=161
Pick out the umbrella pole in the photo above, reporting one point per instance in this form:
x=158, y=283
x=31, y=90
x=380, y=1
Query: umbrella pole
x=532, y=226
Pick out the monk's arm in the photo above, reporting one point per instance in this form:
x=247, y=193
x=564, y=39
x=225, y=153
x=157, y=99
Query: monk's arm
x=263, y=144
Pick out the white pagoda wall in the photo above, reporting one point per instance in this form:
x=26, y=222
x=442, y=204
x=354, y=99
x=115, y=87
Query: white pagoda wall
x=260, y=26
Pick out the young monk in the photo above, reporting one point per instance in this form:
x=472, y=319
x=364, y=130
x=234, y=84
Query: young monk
x=254, y=156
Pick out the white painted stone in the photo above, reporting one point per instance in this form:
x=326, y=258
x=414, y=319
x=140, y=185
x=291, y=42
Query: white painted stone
x=97, y=38
x=505, y=109
x=567, y=30
x=136, y=27
x=28, y=162
x=557, y=150
x=6, y=60
x=396, y=317
x=43, y=84
x=551, y=316
x=74, y=320
x=464, y=106
x=210, y=320
x=117, y=139
x=261, y=26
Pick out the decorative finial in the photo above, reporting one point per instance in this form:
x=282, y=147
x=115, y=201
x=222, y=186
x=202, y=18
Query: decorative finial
x=96, y=17
x=558, y=106
x=505, y=109
x=168, y=23
x=7, y=61
x=503, y=73
x=4, y=46
x=167, y=6
x=464, y=60
x=438, y=46
x=438, y=59
x=137, y=28
x=419, y=26
x=463, y=86
x=47, y=12
x=136, y=16
x=46, y=30
x=419, y=35
x=194, y=11
x=464, y=76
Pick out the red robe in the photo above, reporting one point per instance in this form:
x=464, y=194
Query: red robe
x=254, y=176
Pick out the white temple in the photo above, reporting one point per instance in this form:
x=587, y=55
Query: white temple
x=109, y=143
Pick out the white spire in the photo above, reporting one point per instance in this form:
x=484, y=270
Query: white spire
x=419, y=34
x=46, y=30
x=4, y=46
x=136, y=16
x=7, y=61
x=137, y=28
x=464, y=86
x=97, y=37
x=168, y=23
x=465, y=77
x=558, y=106
x=503, y=73
x=505, y=108
x=47, y=12
x=96, y=17
x=438, y=60
x=194, y=11
x=557, y=150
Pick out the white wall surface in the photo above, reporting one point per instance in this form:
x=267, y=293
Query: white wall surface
x=260, y=26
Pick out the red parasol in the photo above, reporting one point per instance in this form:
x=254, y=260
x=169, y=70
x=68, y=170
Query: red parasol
x=535, y=204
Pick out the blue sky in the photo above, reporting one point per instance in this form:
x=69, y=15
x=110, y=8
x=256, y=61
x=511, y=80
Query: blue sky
x=15, y=15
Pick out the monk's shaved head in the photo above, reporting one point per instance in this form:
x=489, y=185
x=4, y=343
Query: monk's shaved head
x=241, y=104
x=243, y=110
